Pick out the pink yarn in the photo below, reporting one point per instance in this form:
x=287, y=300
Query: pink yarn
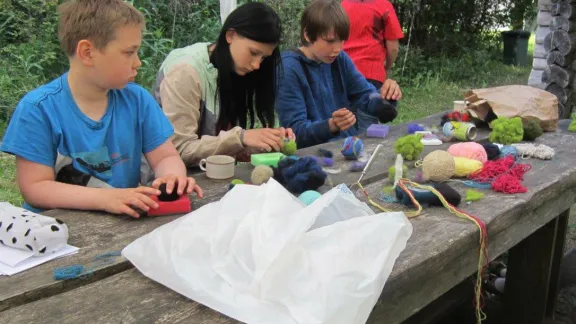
x=470, y=150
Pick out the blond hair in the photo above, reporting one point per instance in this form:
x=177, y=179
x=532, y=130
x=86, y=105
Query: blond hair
x=94, y=20
x=322, y=16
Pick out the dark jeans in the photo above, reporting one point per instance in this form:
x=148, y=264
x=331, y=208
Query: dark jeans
x=375, y=83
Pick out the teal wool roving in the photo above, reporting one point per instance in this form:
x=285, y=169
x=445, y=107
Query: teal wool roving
x=509, y=150
x=352, y=148
x=308, y=197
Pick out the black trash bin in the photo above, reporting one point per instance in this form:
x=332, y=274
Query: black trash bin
x=516, y=47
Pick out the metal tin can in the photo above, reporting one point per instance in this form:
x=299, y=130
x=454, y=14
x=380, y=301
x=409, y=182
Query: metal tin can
x=460, y=130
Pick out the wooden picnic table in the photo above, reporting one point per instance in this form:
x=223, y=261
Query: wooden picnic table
x=442, y=252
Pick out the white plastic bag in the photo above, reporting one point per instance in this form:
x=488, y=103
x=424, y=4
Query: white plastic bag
x=261, y=256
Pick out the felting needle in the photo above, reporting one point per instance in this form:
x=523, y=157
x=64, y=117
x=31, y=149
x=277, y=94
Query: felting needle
x=370, y=161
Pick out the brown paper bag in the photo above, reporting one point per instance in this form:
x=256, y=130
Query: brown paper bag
x=514, y=101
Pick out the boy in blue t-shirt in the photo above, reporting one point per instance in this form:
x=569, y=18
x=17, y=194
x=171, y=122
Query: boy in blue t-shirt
x=80, y=140
x=321, y=94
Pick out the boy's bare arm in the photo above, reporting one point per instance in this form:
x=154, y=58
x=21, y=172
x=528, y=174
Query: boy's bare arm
x=165, y=160
x=392, y=49
x=37, y=185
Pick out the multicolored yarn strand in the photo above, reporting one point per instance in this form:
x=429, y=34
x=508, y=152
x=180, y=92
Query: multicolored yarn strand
x=483, y=241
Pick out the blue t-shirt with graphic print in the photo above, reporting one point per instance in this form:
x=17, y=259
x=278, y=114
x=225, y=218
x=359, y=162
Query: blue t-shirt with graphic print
x=47, y=123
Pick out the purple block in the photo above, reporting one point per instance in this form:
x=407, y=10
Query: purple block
x=378, y=130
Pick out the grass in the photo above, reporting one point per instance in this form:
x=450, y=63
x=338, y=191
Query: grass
x=431, y=94
x=436, y=95
x=8, y=188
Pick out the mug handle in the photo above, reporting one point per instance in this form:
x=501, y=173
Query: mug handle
x=202, y=164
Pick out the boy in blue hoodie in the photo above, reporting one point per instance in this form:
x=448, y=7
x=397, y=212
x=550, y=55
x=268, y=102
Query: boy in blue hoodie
x=321, y=95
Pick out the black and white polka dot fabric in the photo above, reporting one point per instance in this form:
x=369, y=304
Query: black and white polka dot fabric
x=25, y=230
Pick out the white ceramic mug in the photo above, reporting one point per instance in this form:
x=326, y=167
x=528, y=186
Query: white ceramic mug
x=218, y=166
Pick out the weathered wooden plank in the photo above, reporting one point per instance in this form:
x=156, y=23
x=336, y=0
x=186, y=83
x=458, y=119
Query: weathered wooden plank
x=557, y=74
x=539, y=64
x=535, y=79
x=441, y=253
x=541, y=33
x=544, y=18
x=97, y=233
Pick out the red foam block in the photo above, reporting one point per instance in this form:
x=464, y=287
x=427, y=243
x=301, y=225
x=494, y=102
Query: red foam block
x=180, y=206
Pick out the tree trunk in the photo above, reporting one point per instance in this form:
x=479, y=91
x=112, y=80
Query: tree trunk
x=559, y=75
x=560, y=41
x=558, y=91
x=555, y=57
x=561, y=23
x=563, y=9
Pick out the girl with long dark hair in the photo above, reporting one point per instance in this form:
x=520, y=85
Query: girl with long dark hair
x=213, y=93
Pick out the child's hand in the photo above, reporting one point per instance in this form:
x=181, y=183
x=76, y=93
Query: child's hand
x=265, y=139
x=122, y=201
x=184, y=184
x=343, y=119
x=287, y=133
x=391, y=90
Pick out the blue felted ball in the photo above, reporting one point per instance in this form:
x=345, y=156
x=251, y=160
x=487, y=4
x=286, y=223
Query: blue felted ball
x=352, y=148
x=308, y=197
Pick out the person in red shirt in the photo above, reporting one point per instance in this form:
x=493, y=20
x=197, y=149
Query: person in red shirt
x=374, y=34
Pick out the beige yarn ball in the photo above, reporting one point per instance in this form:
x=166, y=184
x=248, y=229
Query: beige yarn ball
x=261, y=174
x=438, y=166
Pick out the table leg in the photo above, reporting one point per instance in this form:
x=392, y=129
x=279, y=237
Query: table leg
x=533, y=272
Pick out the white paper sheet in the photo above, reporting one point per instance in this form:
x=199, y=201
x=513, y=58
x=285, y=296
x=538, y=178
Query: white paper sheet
x=33, y=261
x=11, y=256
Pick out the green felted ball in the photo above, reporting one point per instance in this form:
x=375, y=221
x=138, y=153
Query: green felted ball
x=572, y=126
x=392, y=172
x=532, y=130
x=507, y=131
x=289, y=147
x=409, y=146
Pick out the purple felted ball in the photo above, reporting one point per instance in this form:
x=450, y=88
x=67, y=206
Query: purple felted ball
x=413, y=128
x=357, y=166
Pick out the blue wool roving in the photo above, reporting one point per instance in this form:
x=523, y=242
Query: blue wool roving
x=413, y=128
x=300, y=175
x=70, y=272
x=309, y=196
x=352, y=148
x=509, y=150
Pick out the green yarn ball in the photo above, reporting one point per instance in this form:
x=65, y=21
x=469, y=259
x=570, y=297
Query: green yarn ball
x=409, y=146
x=532, y=130
x=507, y=131
x=572, y=126
x=289, y=147
x=392, y=172
x=237, y=181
